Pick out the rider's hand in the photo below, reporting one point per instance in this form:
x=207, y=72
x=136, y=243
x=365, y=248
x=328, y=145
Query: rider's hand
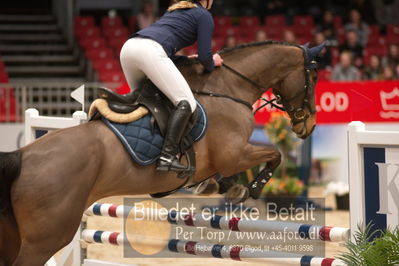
x=193, y=56
x=217, y=60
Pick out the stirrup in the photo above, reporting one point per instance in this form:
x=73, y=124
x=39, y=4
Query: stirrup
x=172, y=164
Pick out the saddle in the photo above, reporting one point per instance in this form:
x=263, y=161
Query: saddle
x=160, y=107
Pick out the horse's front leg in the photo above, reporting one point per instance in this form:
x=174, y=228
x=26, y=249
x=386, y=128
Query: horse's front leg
x=250, y=156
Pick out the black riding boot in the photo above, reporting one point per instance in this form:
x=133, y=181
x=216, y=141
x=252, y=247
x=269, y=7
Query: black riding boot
x=177, y=125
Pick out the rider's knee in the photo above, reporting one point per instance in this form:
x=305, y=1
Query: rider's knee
x=187, y=103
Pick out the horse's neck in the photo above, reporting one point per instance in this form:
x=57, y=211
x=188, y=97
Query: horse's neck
x=266, y=65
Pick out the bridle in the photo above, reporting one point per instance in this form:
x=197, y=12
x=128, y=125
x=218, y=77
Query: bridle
x=299, y=114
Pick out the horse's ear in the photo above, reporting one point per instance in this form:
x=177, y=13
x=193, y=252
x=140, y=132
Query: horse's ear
x=315, y=51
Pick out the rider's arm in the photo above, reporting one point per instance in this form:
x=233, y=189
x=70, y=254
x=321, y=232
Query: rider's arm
x=205, y=31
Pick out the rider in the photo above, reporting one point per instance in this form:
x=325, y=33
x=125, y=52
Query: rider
x=150, y=52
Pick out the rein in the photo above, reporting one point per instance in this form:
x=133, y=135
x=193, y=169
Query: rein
x=213, y=94
x=247, y=104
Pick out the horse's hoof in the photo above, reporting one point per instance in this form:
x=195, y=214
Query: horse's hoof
x=208, y=187
x=237, y=194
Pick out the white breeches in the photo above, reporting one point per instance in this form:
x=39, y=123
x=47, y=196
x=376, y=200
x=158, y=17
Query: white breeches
x=142, y=57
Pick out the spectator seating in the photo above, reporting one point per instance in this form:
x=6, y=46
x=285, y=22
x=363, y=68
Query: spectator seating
x=103, y=43
x=112, y=76
x=87, y=32
x=104, y=65
x=393, y=31
x=223, y=21
x=249, y=21
x=304, y=21
x=109, y=22
x=275, y=21
x=100, y=53
x=249, y=33
x=116, y=32
x=116, y=44
x=83, y=22
x=217, y=44
x=92, y=43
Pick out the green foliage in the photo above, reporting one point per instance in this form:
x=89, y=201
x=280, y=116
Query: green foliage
x=369, y=250
x=290, y=186
x=279, y=131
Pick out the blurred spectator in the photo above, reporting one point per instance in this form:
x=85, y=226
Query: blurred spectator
x=289, y=36
x=147, y=16
x=352, y=45
x=274, y=7
x=386, y=11
x=230, y=42
x=392, y=59
x=366, y=8
x=397, y=71
x=373, y=71
x=324, y=59
x=388, y=74
x=344, y=70
x=265, y=8
x=260, y=36
x=356, y=24
x=327, y=26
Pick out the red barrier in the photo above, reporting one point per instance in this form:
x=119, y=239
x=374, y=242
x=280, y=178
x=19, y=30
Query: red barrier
x=342, y=102
x=7, y=105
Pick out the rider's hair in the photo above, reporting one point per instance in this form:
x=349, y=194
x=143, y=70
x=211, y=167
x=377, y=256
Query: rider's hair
x=182, y=5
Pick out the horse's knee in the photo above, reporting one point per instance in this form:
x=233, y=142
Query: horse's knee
x=277, y=156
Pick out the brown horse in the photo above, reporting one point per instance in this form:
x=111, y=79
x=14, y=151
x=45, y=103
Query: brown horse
x=46, y=186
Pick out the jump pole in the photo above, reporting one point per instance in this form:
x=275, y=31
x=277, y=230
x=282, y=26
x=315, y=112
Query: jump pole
x=232, y=252
x=306, y=231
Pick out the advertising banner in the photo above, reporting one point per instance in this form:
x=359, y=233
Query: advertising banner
x=341, y=102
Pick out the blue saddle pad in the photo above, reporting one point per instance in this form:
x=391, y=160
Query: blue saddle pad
x=144, y=142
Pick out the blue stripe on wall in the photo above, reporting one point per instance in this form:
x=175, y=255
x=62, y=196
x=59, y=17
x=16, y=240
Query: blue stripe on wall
x=371, y=188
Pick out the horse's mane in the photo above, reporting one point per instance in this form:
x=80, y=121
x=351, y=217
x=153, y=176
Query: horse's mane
x=255, y=44
x=241, y=46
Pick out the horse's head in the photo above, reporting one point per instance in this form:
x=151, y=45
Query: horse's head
x=296, y=93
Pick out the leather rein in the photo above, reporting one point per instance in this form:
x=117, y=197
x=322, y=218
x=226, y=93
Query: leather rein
x=299, y=114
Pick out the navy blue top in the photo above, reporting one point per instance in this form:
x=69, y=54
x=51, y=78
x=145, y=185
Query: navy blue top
x=181, y=28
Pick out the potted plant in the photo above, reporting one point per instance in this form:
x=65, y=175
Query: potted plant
x=372, y=248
